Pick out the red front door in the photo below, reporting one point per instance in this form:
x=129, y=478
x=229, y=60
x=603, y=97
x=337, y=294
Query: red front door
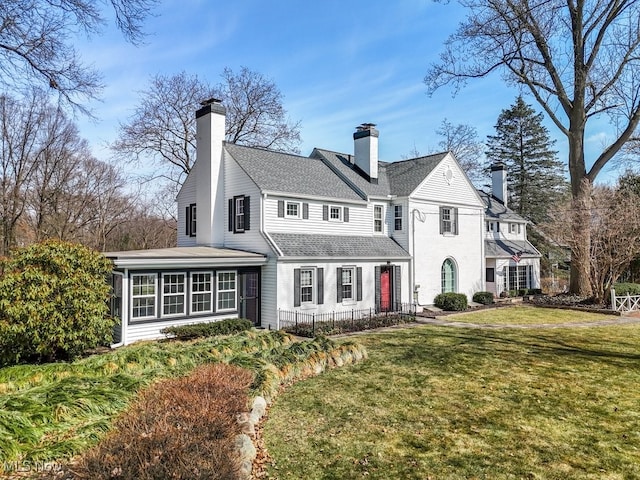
x=385, y=290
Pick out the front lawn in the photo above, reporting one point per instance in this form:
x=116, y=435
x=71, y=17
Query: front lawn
x=528, y=315
x=448, y=403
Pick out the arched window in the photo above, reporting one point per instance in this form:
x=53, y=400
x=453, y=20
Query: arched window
x=448, y=276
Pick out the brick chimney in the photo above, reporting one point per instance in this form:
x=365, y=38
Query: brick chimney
x=366, y=150
x=210, y=129
x=499, y=181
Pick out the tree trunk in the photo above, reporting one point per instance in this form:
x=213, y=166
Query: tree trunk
x=580, y=280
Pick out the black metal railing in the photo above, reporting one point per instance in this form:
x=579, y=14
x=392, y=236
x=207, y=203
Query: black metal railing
x=308, y=324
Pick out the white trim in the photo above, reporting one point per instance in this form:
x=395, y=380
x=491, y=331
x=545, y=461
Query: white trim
x=340, y=213
x=192, y=292
x=164, y=295
x=133, y=297
x=235, y=291
x=313, y=286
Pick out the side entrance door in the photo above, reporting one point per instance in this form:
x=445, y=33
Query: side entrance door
x=385, y=289
x=250, y=295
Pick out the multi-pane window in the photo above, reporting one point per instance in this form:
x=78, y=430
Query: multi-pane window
x=226, y=283
x=173, y=293
x=377, y=218
x=335, y=213
x=143, y=293
x=293, y=209
x=517, y=277
x=201, y=292
x=448, y=276
x=447, y=220
x=239, y=214
x=398, y=217
x=347, y=283
x=515, y=228
x=306, y=286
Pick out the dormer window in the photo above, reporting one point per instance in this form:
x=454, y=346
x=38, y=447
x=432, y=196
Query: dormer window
x=292, y=210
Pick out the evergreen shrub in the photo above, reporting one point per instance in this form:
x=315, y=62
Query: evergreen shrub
x=627, y=289
x=53, y=302
x=210, y=329
x=485, y=298
x=455, y=302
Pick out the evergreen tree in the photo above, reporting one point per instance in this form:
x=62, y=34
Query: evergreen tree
x=535, y=175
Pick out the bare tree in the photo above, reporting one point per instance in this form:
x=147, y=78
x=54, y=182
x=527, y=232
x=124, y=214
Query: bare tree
x=579, y=60
x=36, y=43
x=162, y=127
x=462, y=141
x=615, y=238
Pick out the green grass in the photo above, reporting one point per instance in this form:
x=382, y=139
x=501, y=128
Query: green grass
x=452, y=403
x=54, y=411
x=528, y=315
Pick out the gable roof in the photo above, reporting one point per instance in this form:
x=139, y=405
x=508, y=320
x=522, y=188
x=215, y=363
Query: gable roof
x=290, y=174
x=399, y=178
x=345, y=246
x=496, y=209
x=406, y=175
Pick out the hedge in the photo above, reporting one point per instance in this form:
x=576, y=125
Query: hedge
x=485, y=298
x=454, y=302
x=210, y=329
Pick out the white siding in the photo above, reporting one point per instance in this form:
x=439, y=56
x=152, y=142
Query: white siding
x=186, y=197
x=432, y=248
x=360, y=218
x=151, y=330
x=457, y=190
x=268, y=295
x=400, y=236
x=285, y=291
x=238, y=183
x=491, y=230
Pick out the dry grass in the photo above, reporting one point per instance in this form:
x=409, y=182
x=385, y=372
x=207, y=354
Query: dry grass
x=180, y=428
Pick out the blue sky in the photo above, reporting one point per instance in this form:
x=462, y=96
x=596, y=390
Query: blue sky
x=337, y=63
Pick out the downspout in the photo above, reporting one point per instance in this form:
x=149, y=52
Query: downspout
x=422, y=219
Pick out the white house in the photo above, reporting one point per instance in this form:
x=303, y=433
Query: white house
x=262, y=234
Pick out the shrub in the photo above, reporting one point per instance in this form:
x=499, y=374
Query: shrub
x=485, y=298
x=180, y=428
x=535, y=291
x=53, y=302
x=210, y=329
x=513, y=293
x=455, y=302
x=627, y=288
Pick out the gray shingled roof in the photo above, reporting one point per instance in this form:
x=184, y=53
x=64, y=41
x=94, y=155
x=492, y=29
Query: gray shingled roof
x=341, y=162
x=301, y=245
x=397, y=178
x=496, y=209
x=406, y=175
x=293, y=174
x=506, y=248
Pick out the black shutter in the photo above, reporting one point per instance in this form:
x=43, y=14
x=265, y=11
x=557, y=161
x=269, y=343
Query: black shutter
x=305, y=211
x=281, y=208
x=325, y=212
x=497, y=226
x=231, y=214
x=441, y=222
x=187, y=225
x=455, y=221
x=320, y=272
x=359, y=283
x=377, y=287
x=214, y=286
x=345, y=214
x=296, y=287
x=397, y=285
x=247, y=213
x=339, y=284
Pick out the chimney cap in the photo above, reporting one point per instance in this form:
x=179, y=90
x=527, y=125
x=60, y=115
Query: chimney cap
x=365, y=126
x=499, y=165
x=210, y=101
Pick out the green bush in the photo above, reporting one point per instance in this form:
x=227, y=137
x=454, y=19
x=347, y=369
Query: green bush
x=53, y=302
x=455, y=302
x=485, y=298
x=627, y=288
x=535, y=291
x=513, y=293
x=210, y=329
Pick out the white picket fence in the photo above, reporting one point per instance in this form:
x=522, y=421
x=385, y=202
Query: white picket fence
x=625, y=303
